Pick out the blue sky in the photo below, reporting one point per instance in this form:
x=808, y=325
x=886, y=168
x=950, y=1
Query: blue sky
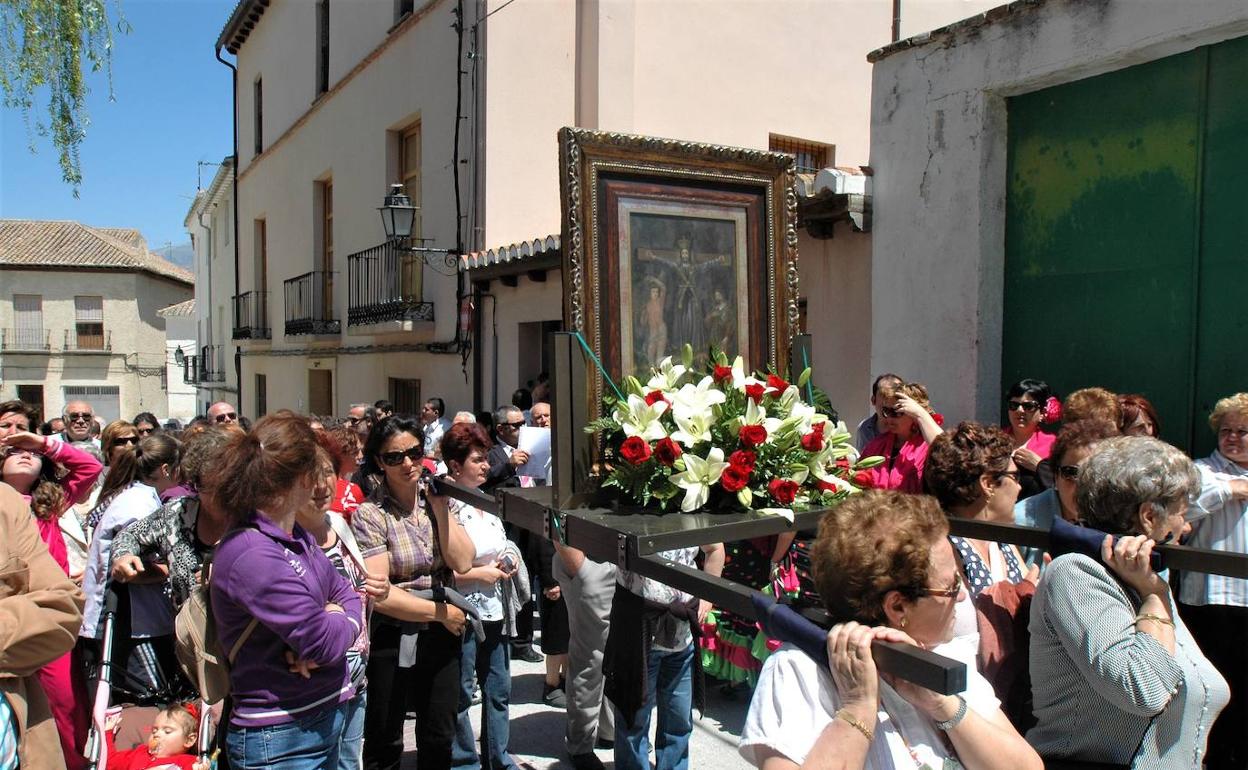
x=172, y=109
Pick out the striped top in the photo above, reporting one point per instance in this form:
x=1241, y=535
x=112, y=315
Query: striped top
x=1107, y=692
x=1222, y=525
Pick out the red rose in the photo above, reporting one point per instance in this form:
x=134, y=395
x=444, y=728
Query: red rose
x=734, y=478
x=742, y=458
x=826, y=486
x=813, y=441
x=752, y=435
x=667, y=451
x=777, y=384
x=755, y=393
x=863, y=479
x=842, y=463
x=635, y=450
x=938, y=418
x=722, y=373
x=654, y=397
x=783, y=491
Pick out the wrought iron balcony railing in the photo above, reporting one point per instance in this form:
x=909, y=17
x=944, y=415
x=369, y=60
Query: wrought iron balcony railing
x=385, y=284
x=78, y=342
x=25, y=340
x=310, y=304
x=212, y=363
x=251, y=316
x=190, y=370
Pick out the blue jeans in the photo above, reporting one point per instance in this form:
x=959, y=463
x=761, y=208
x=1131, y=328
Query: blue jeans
x=491, y=662
x=669, y=675
x=308, y=743
x=351, y=744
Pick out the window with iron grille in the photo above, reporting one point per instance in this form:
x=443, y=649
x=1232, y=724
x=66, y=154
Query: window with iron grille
x=405, y=395
x=262, y=395
x=89, y=322
x=811, y=156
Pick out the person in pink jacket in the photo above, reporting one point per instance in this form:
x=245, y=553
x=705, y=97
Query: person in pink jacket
x=52, y=476
x=909, y=427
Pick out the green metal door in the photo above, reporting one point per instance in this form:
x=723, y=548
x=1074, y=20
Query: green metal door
x=1121, y=225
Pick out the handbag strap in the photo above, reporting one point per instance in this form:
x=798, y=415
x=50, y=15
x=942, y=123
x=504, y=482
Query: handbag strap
x=238, y=645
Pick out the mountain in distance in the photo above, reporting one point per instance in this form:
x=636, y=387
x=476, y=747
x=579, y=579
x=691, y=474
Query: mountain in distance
x=180, y=254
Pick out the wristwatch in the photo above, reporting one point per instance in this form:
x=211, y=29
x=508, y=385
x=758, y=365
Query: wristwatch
x=957, y=717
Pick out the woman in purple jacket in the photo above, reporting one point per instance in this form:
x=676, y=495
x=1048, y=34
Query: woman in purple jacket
x=270, y=581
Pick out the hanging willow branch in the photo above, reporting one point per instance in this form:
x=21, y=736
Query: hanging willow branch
x=44, y=45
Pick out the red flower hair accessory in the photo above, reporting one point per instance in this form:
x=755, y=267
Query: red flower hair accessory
x=1052, y=410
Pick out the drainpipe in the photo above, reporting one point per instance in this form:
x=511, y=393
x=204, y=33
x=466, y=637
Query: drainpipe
x=896, y=20
x=212, y=247
x=238, y=354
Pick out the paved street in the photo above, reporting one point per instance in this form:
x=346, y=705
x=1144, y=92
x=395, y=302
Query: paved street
x=537, y=729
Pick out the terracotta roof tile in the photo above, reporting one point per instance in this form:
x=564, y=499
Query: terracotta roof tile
x=180, y=309
x=36, y=243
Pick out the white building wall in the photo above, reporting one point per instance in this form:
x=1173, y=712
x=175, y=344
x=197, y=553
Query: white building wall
x=526, y=302
x=179, y=333
x=939, y=156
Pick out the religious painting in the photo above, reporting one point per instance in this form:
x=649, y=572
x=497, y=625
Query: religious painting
x=667, y=243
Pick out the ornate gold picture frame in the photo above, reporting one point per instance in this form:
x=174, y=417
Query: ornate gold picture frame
x=668, y=242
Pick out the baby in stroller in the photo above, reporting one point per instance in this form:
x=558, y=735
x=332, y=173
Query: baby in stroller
x=174, y=735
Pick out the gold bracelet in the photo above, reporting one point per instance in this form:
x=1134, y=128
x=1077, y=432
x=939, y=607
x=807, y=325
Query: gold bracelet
x=854, y=723
x=1155, y=618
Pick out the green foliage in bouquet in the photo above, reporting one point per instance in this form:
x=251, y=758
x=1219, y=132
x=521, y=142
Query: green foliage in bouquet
x=720, y=439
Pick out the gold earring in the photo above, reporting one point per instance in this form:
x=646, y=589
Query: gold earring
x=902, y=623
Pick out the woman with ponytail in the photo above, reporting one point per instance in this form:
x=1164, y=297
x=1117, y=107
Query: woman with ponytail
x=52, y=476
x=279, y=601
x=131, y=491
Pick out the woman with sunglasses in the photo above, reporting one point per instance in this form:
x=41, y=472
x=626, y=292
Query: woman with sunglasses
x=886, y=571
x=406, y=533
x=909, y=428
x=1075, y=444
x=116, y=438
x=1116, y=677
x=145, y=423
x=51, y=476
x=1028, y=405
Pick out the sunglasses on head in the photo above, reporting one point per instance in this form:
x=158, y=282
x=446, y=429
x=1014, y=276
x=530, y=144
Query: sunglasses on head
x=226, y=417
x=80, y=417
x=1025, y=406
x=1068, y=472
x=393, y=459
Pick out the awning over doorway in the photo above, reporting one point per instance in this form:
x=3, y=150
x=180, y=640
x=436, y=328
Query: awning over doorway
x=527, y=257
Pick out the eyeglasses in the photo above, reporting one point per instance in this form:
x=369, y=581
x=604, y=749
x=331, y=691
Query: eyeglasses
x=1068, y=472
x=1025, y=406
x=145, y=431
x=1011, y=475
x=948, y=593
x=80, y=417
x=126, y=440
x=226, y=417
x=393, y=459
x=354, y=420
x=1240, y=434
x=511, y=424
x=891, y=411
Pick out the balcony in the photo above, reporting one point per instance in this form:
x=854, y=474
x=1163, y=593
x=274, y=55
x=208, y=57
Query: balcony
x=310, y=304
x=190, y=370
x=25, y=341
x=251, y=316
x=78, y=342
x=384, y=284
x=212, y=363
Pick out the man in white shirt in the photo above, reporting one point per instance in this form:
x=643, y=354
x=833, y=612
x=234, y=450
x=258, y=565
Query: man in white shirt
x=434, y=424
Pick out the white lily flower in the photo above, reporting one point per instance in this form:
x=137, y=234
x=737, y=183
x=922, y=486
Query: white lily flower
x=692, y=427
x=697, y=478
x=697, y=399
x=641, y=419
x=739, y=378
x=666, y=376
x=756, y=414
x=803, y=417
x=784, y=513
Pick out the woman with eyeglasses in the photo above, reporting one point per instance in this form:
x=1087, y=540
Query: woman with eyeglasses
x=1115, y=675
x=407, y=533
x=1028, y=405
x=886, y=572
x=1214, y=606
x=909, y=427
x=145, y=424
x=1075, y=444
x=51, y=476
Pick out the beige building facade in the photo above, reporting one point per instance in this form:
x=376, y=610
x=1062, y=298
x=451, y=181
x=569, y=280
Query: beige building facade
x=79, y=310
x=335, y=106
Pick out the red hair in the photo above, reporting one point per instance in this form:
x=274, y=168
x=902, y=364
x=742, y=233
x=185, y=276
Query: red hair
x=461, y=439
x=1132, y=406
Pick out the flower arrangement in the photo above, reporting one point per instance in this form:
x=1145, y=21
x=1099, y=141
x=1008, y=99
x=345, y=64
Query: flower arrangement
x=723, y=439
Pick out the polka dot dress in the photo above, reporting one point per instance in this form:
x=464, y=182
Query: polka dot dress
x=978, y=574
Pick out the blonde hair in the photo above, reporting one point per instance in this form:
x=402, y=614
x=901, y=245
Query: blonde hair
x=1091, y=404
x=1233, y=404
x=915, y=390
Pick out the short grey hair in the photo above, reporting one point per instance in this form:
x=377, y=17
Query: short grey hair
x=1128, y=471
x=501, y=413
x=464, y=417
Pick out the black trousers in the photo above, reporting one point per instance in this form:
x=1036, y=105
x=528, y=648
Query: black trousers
x=1221, y=632
x=430, y=689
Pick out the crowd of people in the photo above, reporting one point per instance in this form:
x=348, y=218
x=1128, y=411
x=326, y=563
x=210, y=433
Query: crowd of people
x=351, y=597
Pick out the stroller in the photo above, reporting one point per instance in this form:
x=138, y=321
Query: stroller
x=117, y=688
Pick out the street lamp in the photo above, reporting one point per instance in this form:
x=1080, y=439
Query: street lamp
x=397, y=214
x=178, y=356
